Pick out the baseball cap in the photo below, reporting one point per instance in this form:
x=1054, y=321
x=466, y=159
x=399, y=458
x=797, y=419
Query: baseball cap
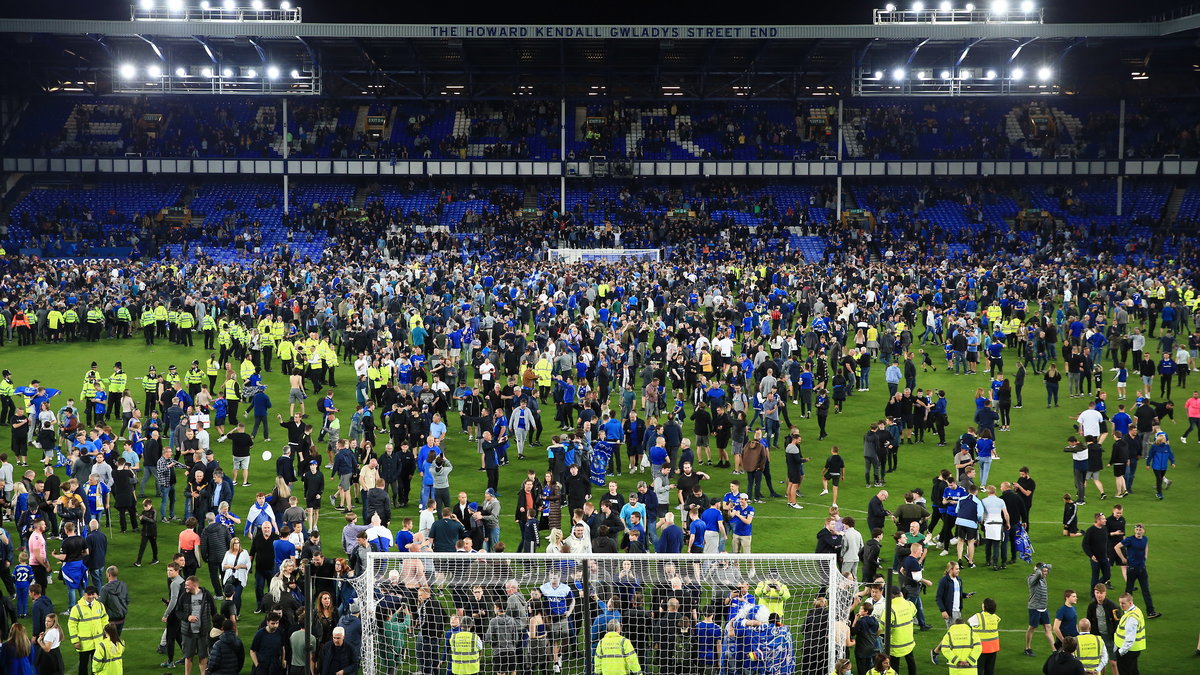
x=1044, y=565
x=743, y=496
x=491, y=491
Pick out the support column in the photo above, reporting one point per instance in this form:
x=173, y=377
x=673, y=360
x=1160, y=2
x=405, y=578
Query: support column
x=562, y=155
x=837, y=216
x=1120, y=155
x=286, y=145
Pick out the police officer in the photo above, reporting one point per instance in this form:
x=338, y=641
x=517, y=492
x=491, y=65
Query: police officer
x=123, y=321
x=615, y=654
x=212, y=368
x=148, y=326
x=95, y=321
x=194, y=379
x=8, y=409
x=209, y=326
x=150, y=388
x=187, y=321
x=70, y=323
x=116, y=387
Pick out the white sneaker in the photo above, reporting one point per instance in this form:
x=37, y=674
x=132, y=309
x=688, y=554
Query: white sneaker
x=944, y=553
x=1183, y=439
x=796, y=506
x=953, y=541
x=824, y=492
x=1166, y=483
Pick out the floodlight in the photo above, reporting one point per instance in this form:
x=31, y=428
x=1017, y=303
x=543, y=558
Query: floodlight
x=898, y=74
x=945, y=6
x=922, y=75
x=127, y=71
x=889, y=7
x=205, y=6
x=970, y=7
x=206, y=72
x=273, y=72
x=945, y=74
x=991, y=74
x=230, y=5
x=251, y=73
x=1018, y=73
x=965, y=74
x=1000, y=7
x=155, y=71
x=257, y=5
x=1044, y=73
x=175, y=5
x=879, y=74
x=147, y=4
x=918, y=7
x=227, y=72
x=181, y=72
x=1027, y=6
x=285, y=5
x=295, y=74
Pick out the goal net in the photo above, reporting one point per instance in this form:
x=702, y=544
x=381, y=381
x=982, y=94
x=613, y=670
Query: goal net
x=574, y=255
x=537, y=614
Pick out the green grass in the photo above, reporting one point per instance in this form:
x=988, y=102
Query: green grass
x=1036, y=441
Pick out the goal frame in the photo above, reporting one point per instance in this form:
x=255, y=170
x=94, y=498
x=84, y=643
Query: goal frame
x=834, y=582
x=575, y=255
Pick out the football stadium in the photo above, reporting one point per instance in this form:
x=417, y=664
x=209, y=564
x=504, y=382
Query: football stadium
x=376, y=338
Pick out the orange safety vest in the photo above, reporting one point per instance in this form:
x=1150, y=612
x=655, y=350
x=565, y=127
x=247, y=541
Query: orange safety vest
x=20, y=320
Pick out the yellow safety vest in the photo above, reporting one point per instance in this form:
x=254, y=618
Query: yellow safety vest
x=71, y=316
x=186, y=320
x=900, y=623
x=7, y=388
x=542, y=368
x=147, y=318
x=212, y=368
x=987, y=627
x=150, y=382
x=94, y=315
x=960, y=643
x=160, y=313
x=231, y=389
x=207, y=323
x=615, y=656
x=54, y=319
x=86, y=623
x=286, y=350
x=464, y=653
x=117, y=382
x=1139, y=639
x=1090, y=647
x=107, y=659
x=247, y=369
x=193, y=376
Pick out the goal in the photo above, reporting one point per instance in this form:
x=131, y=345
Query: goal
x=537, y=614
x=574, y=255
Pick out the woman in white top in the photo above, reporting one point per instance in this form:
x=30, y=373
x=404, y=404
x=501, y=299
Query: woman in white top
x=48, y=657
x=236, y=566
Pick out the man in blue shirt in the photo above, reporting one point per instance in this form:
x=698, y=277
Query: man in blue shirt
x=696, y=530
x=671, y=539
x=1133, y=552
x=714, y=528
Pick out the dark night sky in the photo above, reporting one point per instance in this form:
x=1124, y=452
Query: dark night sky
x=593, y=11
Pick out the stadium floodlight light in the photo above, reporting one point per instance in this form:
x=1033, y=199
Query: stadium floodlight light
x=879, y=74
x=898, y=74
x=227, y=72
x=146, y=4
x=965, y=74
x=273, y=72
x=1044, y=73
x=1000, y=7
x=295, y=74
x=206, y=72
x=175, y=5
x=970, y=7
x=918, y=6
x=1027, y=6
x=230, y=5
x=945, y=74
x=205, y=5
x=922, y=74
x=257, y=5
x=890, y=7
x=127, y=71
x=154, y=71
x=991, y=75
x=945, y=6
x=285, y=5
x=251, y=73
x=181, y=72
x=1018, y=73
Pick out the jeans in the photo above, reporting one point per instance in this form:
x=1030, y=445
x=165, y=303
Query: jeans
x=755, y=482
x=960, y=360
x=1130, y=471
x=147, y=476
x=870, y=463
x=72, y=596
x=1193, y=422
x=985, y=465
x=167, y=494
x=426, y=493
x=864, y=378
x=260, y=421
x=493, y=538
x=772, y=428
x=893, y=387
x=1101, y=571
x=1135, y=576
x=262, y=578
x=1051, y=393
x=915, y=599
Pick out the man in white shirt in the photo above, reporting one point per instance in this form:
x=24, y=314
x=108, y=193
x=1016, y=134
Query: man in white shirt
x=1089, y=421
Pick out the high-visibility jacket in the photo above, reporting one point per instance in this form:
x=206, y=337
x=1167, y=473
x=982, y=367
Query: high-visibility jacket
x=277, y=330
x=900, y=624
x=615, y=656
x=247, y=369
x=207, y=323
x=160, y=313
x=187, y=320
x=266, y=339
x=94, y=315
x=54, y=319
x=85, y=623
x=7, y=388
x=1133, y=620
x=224, y=338
x=542, y=368
x=107, y=659
x=117, y=381
x=212, y=368
x=123, y=314
x=1091, y=647
x=173, y=317
x=286, y=351
x=147, y=317
x=464, y=653
x=71, y=316
x=20, y=319
x=150, y=382
x=960, y=643
x=329, y=355
x=193, y=376
x=987, y=627
x=231, y=389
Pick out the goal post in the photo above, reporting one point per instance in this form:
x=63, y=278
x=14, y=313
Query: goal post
x=574, y=255
x=544, y=614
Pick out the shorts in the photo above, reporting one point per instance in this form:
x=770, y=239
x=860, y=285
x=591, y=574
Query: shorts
x=1104, y=427
x=836, y=480
x=313, y=502
x=966, y=533
x=702, y=441
x=795, y=468
x=344, y=481
x=504, y=661
x=1038, y=617
x=560, y=629
x=242, y=463
x=741, y=543
x=195, y=646
x=972, y=357
x=1092, y=475
x=296, y=395
x=712, y=541
x=220, y=421
x=737, y=447
x=1119, y=470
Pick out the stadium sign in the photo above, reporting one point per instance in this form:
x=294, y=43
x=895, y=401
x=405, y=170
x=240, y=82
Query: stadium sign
x=603, y=32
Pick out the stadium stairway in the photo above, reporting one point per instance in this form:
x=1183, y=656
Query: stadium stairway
x=1174, y=202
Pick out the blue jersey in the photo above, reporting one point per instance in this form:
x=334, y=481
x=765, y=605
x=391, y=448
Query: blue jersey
x=708, y=634
x=22, y=576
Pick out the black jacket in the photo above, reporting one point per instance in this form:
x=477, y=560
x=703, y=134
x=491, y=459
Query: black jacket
x=214, y=543
x=1061, y=663
x=227, y=656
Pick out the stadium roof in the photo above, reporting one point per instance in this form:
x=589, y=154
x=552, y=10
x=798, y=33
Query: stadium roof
x=712, y=61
